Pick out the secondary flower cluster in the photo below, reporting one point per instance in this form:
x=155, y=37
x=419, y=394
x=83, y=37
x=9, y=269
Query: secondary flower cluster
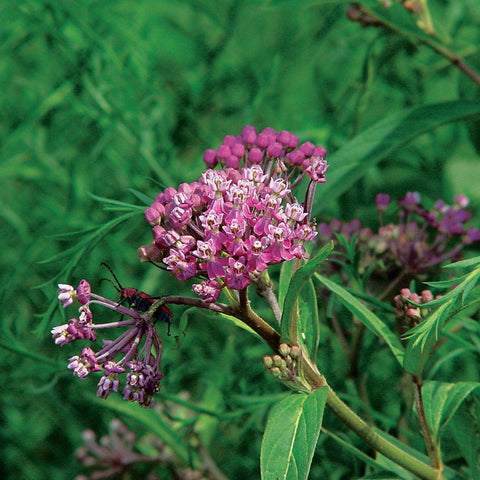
x=116, y=455
x=112, y=455
x=237, y=221
x=410, y=314
x=141, y=363
x=417, y=241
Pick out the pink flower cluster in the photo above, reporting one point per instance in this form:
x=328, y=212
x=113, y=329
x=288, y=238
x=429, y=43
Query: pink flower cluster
x=227, y=225
x=240, y=219
x=140, y=346
x=417, y=241
x=266, y=148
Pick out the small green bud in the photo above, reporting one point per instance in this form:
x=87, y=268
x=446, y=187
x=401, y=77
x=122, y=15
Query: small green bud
x=268, y=361
x=295, y=351
x=284, y=349
x=276, y=372
x=277, y=360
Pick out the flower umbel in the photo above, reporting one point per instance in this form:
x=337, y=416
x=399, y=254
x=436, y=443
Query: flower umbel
x=234, y=222
x=139, y=347
x=408, y=314
x=419, y=240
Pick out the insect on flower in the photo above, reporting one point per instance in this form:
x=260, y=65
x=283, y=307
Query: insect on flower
x=140, y=301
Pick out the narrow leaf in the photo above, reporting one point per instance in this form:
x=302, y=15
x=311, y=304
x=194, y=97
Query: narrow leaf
x=349, y=447
x=420, y=345
x=441, y=401
x=291, y=435
x=284, y=281
x=308, y=325
x=368, y=318
x=298, y=281
x=469, y=262
x=354, y=159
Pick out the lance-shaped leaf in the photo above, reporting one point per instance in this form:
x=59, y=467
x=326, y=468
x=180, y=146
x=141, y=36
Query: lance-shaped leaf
x=441, y=401
x=423, y=337
x=368, y=318
x=354, y=160
x=419, y=347
x=291, y=435
x=291, y=333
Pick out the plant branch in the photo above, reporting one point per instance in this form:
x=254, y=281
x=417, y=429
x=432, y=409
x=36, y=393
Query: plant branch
x=265, y=288
x=243, y=312
x=432, y=448
x=379, y=443
x=197, y=302
x=452, y=57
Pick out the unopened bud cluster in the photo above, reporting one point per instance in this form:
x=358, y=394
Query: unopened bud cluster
x=404, y=308
x=284, y=364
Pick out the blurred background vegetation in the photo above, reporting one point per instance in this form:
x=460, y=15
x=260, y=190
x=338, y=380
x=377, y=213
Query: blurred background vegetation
x=108, y=99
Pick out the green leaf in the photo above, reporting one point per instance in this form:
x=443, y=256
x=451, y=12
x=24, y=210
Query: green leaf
x=290, y=332
x=464, y=430
x=368, y=318
x=419, y=346
x=284, y=281
x=441, y=401
x=469, y=262
x=354, y=160
x=291, y=435
x=308, y=325
x=349, y=447
x=193, y=312
x=239, y=323
x=423, y=337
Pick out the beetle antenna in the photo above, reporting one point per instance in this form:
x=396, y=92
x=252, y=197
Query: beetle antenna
x=115, y=286
x=118, y=287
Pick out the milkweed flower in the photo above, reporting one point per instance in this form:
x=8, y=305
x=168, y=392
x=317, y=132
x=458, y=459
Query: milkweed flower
x=136, y=352
x=418, y=240
x=241, y=217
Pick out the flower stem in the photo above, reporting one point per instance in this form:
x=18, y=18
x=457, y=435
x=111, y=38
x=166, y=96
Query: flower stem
x=264, y=287
x=243, y=312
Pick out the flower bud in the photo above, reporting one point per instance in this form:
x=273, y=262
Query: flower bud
x=268, y=361
x=284, y=349
x=295, y=351
x=277, y=360
x=276, y=372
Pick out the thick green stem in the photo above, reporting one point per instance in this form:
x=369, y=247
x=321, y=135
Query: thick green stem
x=316, y=380
x=347, y=415
x=379, y=443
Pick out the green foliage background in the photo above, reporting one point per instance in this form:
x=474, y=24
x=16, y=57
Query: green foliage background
x=99, y=98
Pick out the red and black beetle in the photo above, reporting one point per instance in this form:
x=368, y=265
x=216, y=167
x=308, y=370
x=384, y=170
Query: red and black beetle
x=140, y=301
